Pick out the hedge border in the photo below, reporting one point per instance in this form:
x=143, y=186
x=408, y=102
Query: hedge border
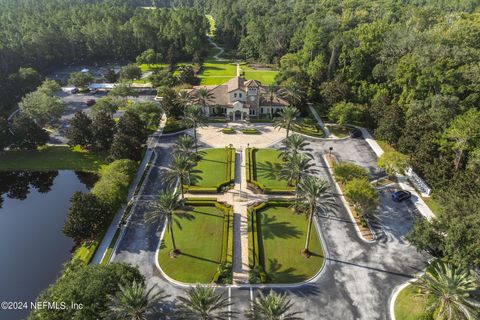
x=227, y=236
x=251, y=167
x=215, y=189
x=256, y=255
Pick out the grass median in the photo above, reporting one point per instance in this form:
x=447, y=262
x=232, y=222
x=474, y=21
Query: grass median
x=281, y=236
x=266, y=165
x=212, y=170
x=199, y=237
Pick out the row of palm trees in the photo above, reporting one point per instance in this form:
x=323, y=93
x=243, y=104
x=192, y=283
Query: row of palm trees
x=201, y=302
x=170, y=201
x=312, y=194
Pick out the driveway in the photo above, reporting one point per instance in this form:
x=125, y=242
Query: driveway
x=358, y=278
x=211, y=136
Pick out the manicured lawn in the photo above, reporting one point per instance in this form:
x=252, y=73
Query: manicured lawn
x=217, y=72
x=266, y=77
x=212, y=169
x=50, y=158
x=266, y=167
x=199, y=238
x=283, y=237
x=409, y=306
x=339, y=131
x=147, y=67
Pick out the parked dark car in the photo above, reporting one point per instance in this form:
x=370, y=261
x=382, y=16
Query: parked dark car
x=91, y=102
x=401, y=195
x=74, y=90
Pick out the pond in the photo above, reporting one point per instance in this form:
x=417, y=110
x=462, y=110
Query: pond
x=33, y=207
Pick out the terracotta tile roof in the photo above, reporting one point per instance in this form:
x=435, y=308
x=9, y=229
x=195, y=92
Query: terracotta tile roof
x=253, y=83
x=221, y=92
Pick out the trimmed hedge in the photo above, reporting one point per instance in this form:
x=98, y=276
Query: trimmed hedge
x=219, y=186
x=251, y=167
x=255, y=249
x=250, y=131
x=228, y=130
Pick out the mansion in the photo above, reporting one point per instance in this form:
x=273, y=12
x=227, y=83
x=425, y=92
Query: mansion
x=239, y=99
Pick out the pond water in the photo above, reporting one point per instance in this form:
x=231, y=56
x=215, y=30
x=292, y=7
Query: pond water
x=33, y=207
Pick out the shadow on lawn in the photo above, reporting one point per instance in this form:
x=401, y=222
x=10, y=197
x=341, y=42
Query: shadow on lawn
x=163, y=246
x=276, y=275
x=267, y=170
x=272, y=229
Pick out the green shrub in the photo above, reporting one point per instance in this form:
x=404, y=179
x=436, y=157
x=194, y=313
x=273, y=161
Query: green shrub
x=346, y=171
x=223, y=274
x=257, y=275
x=228, y=130
x=173, y=125
x=362, y=195
x=112, y=188
x=250, y=131
x=200, y=190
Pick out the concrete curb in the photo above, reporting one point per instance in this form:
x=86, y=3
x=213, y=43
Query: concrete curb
x=313, y=279
x=398, y=289
x=347, y=207
x=123, y=228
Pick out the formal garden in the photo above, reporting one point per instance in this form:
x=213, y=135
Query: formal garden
x=277, y=238
x=264, y=168
x=203, y=235
x=215, y=170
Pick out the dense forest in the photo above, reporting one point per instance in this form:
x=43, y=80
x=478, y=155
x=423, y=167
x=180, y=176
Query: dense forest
x=411, y=69
x=35, y=35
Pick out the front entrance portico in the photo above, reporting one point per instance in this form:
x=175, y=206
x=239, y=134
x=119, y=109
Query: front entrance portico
x=238, y=110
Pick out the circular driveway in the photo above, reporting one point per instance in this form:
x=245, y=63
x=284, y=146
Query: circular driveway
x=212, y=136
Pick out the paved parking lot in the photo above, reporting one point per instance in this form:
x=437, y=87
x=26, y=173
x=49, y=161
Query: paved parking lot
x=77, y=102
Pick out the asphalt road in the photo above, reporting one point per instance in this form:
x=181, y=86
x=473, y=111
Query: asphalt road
x=358, y=278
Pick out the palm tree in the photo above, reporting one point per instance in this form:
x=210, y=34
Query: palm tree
x=183, y=99
x=293, y=145
x=167, y=204
x=296, y=167
x=194, y=117
x=203, y=97
x=202, y=302
x=180, y=169
x=451, y=288
x=317, y=200
x=286, y=119
x=184, y=145
x=274, y=306
x=271, y=92
x=134, y=302
x=294, y=93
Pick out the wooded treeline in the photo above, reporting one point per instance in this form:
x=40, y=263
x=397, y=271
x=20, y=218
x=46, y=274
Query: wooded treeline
x=409, y=70
x=40, y=34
